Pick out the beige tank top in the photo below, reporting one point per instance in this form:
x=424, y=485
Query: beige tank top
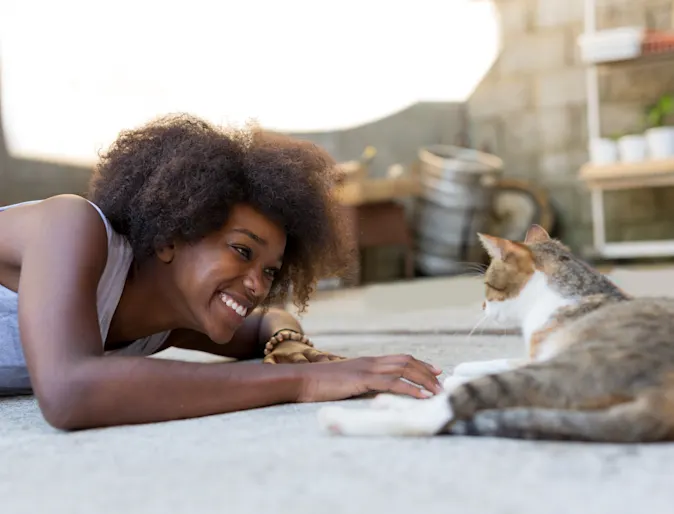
x=13, y=372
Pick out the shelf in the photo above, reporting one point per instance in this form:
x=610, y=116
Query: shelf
x=655, y=46
x=359, y=192
x=629, y=46
x=636, y=249
x=655, y=173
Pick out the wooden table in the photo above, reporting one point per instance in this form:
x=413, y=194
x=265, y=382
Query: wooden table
x=377, y=219
x=379, y=224
x=647, y=174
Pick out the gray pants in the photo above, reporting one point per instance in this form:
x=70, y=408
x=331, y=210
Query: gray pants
x=14, y=378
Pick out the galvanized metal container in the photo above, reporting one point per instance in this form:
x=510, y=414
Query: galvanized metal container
x=455, y=202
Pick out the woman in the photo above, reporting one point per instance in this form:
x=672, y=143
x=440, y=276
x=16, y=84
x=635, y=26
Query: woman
x=187, y=234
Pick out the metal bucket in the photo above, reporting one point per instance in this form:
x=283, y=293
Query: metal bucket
x=455, y=202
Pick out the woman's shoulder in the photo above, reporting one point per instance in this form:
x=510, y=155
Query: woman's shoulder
x=71, y=210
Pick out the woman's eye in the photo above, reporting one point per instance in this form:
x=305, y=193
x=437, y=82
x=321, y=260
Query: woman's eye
x=244, y=252
x=271, y=273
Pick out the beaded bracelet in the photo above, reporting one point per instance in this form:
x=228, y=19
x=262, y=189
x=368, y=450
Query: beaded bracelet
x=285, y=334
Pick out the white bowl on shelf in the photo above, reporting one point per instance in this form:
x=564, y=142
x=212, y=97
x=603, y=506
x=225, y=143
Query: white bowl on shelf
x=660, y=142
x=617, y=44
x=603, y=151
x=632, y=148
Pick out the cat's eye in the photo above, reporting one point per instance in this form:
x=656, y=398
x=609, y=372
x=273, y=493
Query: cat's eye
x=491, y=286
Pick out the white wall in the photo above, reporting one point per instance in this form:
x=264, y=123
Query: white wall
x=74, y=73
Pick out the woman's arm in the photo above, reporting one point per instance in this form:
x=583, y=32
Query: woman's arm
x=248, y=341
x=76, y=386
x=62, y=257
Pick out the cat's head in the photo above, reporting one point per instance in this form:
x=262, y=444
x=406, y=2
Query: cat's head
x=523, y=273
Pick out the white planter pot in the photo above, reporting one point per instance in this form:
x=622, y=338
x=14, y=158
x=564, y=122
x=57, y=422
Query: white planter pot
x=603, y=151
x=660, y=142
x=632, y=148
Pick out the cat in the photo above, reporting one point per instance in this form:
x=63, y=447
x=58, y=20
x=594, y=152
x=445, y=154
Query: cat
x=599, y=364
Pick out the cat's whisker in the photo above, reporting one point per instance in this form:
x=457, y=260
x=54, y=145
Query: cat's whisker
x=480, y=321
x=476, y=267
x=470, y=274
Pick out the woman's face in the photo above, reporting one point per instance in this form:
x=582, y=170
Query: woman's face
x=224, y=276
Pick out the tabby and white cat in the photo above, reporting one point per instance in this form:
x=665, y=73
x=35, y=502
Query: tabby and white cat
x=600, y=364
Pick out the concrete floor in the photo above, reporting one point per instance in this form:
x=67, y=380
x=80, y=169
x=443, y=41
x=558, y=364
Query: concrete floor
x=276, y=460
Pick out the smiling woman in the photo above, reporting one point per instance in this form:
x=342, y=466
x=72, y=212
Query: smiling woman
x=188, y=233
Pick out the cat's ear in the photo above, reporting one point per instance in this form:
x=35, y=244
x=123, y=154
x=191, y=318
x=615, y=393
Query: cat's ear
x=499, y=248
x=495, y=247
x=536, y=234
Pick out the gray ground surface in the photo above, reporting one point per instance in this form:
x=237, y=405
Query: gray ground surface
x=276, y=460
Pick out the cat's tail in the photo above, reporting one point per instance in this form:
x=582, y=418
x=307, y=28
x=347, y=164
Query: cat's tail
x=644, y=419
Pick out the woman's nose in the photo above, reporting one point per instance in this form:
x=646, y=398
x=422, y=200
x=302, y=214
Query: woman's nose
x=253, y=283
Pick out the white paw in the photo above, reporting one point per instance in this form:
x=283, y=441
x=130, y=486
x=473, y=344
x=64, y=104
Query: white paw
x=393, y=401
x=418, y=418
x=453, y=381
x=477, y=369
x=329, y=419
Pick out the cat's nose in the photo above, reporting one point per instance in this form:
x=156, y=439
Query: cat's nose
x=484, y=305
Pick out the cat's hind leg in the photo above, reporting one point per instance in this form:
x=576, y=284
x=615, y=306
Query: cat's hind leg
x=631, y=422
x=560, y=399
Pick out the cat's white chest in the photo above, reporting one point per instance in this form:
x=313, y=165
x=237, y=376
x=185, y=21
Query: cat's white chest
x=539, y=303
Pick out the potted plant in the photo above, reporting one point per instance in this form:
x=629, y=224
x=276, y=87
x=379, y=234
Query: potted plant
x=659, y=136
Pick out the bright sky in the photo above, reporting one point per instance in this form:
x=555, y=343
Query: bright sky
x=74, y=73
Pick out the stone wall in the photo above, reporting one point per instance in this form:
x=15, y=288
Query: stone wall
x=530, y=110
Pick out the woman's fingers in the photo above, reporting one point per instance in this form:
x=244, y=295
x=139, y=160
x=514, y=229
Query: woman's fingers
x=316, y=356
x=296, y=358
x=270, y=359
x=391, y=384
x=409, y=368
x=435, y=370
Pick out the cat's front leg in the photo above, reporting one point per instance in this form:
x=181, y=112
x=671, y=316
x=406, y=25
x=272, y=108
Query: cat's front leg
x=476, y=369
x=416, y=418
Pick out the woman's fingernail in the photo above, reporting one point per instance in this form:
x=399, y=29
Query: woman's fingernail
x=426, y=393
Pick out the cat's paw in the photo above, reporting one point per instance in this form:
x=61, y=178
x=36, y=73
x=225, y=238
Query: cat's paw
x=329, y=419
x=476, y=369
x=393, y=401
x=422, y=418
x=453, y=381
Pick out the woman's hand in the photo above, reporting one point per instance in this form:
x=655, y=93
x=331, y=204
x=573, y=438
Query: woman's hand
x=298, y=352
x=353, y=377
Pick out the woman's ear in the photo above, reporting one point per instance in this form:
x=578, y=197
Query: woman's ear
x=165, y=251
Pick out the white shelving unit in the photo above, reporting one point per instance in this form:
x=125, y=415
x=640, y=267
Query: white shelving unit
x=601, y=178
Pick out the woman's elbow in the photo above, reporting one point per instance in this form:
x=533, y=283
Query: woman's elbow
x=62, y=402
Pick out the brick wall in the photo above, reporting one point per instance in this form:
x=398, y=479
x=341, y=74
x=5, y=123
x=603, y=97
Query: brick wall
x=530, y=109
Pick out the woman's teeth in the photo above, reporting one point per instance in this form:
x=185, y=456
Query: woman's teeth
x=232, y=304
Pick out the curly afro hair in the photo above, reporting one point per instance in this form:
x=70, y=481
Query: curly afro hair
x=176, y=179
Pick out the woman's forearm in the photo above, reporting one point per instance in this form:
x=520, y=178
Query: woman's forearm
x=275, y=320
x=248, y=342
x=112, y=390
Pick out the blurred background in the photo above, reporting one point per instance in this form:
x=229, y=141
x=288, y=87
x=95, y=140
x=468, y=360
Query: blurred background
x=450, y=116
